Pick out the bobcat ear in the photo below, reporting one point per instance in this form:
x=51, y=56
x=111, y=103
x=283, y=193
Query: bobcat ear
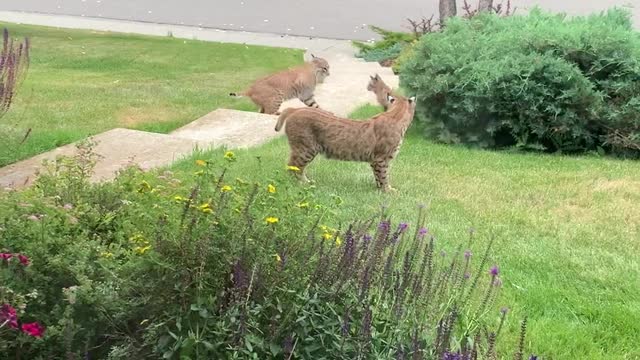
x=391, y=99
x=377, y=77
x=372, y=77
x=412, y=100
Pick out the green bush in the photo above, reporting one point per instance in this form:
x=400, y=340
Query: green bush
x=200, y=266
x=388, y=48
x=539, y=81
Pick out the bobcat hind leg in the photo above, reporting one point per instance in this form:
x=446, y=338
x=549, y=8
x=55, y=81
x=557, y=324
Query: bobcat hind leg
x=300, y=158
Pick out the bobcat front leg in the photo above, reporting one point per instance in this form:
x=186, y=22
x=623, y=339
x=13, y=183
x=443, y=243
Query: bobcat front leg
x=310, y=102
x=380, y=169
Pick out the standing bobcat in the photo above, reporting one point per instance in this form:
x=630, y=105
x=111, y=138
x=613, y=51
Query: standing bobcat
x=313, y=131
x=300, y=82
x=378, y=87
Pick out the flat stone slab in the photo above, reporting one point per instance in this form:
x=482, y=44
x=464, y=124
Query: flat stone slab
x=230, y=129
x=119, y=148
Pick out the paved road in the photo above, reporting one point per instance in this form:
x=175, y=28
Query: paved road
x=340, y=19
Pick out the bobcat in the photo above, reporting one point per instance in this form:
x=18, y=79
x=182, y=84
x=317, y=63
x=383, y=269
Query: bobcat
x=378, y=87
x=314, y=131
x=300, y=82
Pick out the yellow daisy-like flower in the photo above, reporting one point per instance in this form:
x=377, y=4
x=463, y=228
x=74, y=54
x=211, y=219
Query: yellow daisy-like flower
x=201, y=163
x=327, y=236
x=140, y=250
x=271, y=189
x=226, y=188
x=271, y=220
x=205, y=208
x=278, y=258
x=338, y=241
x=179, y=198
x=229, y=155
x=293, y=168
x=303, y=205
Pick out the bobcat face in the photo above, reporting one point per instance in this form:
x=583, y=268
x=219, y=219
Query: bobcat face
x=322, y=68
x=373, y=83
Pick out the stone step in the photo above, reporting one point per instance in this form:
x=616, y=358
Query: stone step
x=230, y=129
x=119, y=148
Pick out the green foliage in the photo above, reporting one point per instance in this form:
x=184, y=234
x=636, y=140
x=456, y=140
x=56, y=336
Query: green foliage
x=539, y=81
x=405, y=55
x=389, y=47
x=208, y=266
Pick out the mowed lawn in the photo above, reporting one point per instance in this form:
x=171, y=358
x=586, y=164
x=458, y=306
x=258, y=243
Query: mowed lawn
x=81, y=83
x=566, y=229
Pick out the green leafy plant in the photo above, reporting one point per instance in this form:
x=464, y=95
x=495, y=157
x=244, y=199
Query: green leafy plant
x=539, y=81
x=205, y=266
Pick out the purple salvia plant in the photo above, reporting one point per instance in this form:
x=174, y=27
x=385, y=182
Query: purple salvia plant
x=365, y=331
x=523, y=332
x=14, y=61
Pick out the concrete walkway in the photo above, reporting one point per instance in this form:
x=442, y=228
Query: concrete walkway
x=341, y=93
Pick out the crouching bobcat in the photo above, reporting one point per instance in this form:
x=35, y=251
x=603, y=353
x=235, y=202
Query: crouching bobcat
x=313, y=131
x=300, y=82
x=378, y=87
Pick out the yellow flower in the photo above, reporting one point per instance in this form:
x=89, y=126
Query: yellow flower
x=226, y=188
x=106, y=254
x=303, y=205
x=230, y=156
x=327, y=236
x=293, y=168
x=338, y=241
x=271, y=220
x=271, y=189
x=141, y=249
x=201, y=163
x=278, y=258
x=144, y=187
x=205, y=208
x=179, y=198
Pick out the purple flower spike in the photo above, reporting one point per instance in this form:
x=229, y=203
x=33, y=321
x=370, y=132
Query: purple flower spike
x=533, y=357
x=403, y=227
x=494, y=271
x=422, y=232
x=384, y=225
x=467, y=254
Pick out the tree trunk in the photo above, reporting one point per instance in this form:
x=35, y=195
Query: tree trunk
x=485, y=5
x=447, y=9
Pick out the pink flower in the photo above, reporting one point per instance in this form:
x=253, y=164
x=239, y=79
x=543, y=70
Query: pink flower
x=33, y=329
x=24, y=260
x=6, y=256
x=8, y=315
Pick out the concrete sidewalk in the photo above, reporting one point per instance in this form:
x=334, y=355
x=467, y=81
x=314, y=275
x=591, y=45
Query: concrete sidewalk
x=180, y=31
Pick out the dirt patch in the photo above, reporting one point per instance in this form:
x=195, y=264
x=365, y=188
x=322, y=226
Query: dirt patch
x=133, y=117
x=629, y=186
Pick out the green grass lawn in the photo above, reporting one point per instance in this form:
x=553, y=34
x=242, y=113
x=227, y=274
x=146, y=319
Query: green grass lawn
x=567, y=229
x=81, y=83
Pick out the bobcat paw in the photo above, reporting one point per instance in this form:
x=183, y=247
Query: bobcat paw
x=389, y=189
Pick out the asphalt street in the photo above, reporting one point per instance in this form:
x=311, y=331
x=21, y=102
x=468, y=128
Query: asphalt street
x=339, y=19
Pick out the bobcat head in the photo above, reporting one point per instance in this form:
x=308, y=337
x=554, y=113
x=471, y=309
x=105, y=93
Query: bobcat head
x=374, y=82
x=322, y=68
